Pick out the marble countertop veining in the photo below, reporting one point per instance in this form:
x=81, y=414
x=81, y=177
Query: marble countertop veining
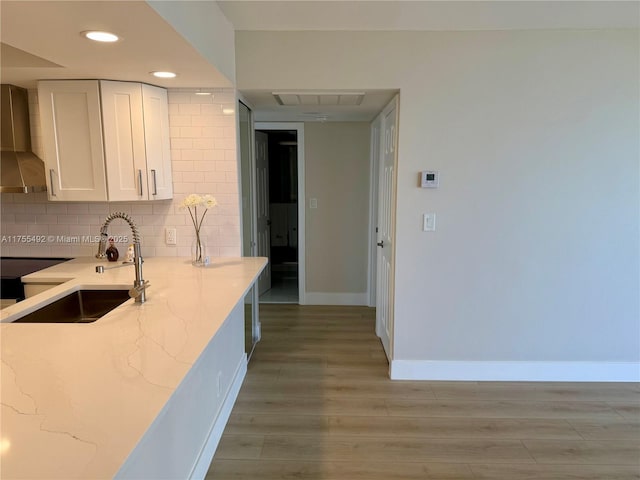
x=76, y=398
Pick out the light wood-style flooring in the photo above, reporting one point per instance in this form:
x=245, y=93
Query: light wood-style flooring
x=317, y=403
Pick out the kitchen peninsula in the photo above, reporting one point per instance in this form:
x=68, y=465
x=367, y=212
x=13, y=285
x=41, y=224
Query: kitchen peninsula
x=143, y=392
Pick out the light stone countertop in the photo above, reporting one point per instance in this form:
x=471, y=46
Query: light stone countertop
x=77, y=398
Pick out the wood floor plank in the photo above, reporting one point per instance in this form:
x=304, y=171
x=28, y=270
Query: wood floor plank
x=465, y=428
x=331, y=470
x=499, y=409
x=310, y=405
x=279, y=424
x=423, y=450
x=629, y=409
x=317, y=404
x=561, y=391
x=610, y=452
x=337, y=386
x=555, y=472
x=609, y=429
x=240, y=446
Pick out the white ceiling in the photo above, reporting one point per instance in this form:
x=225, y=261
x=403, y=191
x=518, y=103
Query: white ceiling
x=266, y=108
x=45, y=43
x=41, y=39
x=429, y=15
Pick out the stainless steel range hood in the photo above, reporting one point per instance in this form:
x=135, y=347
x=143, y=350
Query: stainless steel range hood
x=20, y=170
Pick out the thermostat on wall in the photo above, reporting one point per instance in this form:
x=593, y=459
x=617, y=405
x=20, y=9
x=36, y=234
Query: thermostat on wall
x=429, y=179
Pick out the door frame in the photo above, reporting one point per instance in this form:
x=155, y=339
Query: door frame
x=252, y=180
x=302, y=199
x=374, y=163
x=257, y=326
x=394, y=103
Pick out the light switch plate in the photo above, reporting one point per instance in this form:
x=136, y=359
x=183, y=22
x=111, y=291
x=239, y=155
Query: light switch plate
x=313, y=203
x=429, y=222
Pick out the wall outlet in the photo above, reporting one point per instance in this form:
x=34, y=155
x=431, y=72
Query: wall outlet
x=170, y=236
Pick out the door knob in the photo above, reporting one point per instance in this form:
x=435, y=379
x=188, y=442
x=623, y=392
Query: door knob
x=381, y=244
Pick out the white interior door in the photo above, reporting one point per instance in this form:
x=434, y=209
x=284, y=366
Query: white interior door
x=386, y=227
x=262, y=193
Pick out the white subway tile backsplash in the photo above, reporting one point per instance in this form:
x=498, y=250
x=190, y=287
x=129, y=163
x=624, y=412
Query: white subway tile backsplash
x=13, y=208
x=56, y=207
x=192, y=155
x=182, y=166
x=178, y=143
x=229, y=251
x=141, y=209
x=25, y=218
x=213, y=155
x=79, y=208
x=204, y=160
x=226, y=166
x=178, y=97
x=202, y=120
x=215, y=177
x=189, y=109
x=99, y=208
x=203, y=143
x=8, y=218
x=35, y=229
x=204, y=166
x=43, y=219
x=181, y=120
x=164, y=207
x=190, y=132
x=67, y=219
x=55, y=229
x=184, y=187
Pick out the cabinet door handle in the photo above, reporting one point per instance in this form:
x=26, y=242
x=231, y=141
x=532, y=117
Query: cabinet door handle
x=155, y=188
x=381, y=244
x=140, y=180
x=51, y=173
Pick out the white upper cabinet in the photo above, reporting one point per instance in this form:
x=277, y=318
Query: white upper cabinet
x=157, y=144
x=132, y=161
x=72, y=140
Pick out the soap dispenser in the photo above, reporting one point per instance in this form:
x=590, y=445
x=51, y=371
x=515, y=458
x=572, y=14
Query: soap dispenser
x=112, y=252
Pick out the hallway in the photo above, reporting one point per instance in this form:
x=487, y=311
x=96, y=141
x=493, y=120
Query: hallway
x=317, y=404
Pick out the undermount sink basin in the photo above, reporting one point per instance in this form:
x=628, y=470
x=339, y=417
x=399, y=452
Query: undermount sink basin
x=82, y=306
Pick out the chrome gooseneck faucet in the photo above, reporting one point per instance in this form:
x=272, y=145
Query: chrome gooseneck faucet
x=139, y=285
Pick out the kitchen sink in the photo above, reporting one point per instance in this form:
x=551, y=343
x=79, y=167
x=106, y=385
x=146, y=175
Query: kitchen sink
x=82, y=306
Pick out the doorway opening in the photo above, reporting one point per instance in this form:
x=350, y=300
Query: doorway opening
x=278, y=219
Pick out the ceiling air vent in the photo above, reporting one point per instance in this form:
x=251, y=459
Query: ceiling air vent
x=291, y=99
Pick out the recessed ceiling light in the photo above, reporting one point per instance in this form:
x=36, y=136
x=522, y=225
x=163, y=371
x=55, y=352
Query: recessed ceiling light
x=203, y=93
x=228, y=111
x=163, y=74
x=98, y=36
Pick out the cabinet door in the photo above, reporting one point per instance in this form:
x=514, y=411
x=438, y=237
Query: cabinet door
x=156, y=135
x=72, y=140
x=124, y=146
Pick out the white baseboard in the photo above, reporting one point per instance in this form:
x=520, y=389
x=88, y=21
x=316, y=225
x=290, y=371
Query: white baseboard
x=516, y=371
x=322, y=298
x=206, y=455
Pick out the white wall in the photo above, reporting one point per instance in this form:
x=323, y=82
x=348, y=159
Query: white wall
x=336, y=175
x=203, y=158
x=535, y=134
x=204, y=25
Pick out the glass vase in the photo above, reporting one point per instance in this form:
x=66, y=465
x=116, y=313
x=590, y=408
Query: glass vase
x=199, y=255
